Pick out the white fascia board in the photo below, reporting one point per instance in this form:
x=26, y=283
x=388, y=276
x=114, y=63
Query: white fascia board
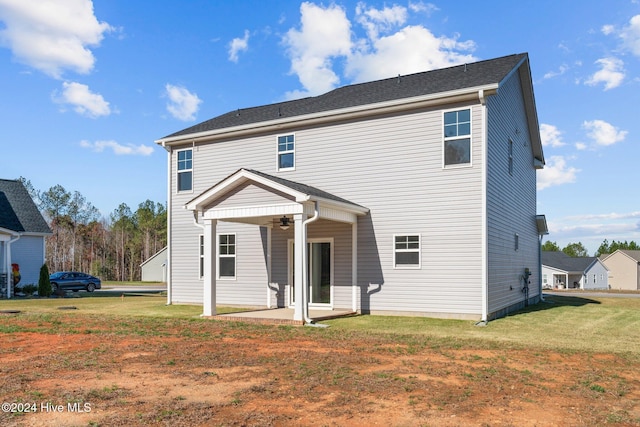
x=254, y=211
x=346, y=207
x=395, y=105
x=6, y=231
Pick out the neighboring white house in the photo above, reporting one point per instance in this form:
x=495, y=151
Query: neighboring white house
x=413, y=195
x=561, y=271
x=624, y=269
x=154, y=269
x=22, y=236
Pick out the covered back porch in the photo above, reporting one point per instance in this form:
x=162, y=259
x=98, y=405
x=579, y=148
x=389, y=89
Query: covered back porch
x=251, y=197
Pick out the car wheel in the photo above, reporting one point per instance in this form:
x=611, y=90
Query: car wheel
x=91, y=287
x=54, y=288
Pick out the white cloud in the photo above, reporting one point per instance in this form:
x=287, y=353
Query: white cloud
x=388, y=49
x=551, y=136
x=383, y=20
x=581, y=146
x=603, y=133
x=119, y=149
x=238, y=45
x=420, y=6
x=607, y=29
x=556, y=172
x=611, y=74
x=183, y=105
x=324, y=33
x=84, y=102
x=561, y=70
x=410, y=50
x=631, y=35
x=52, y=36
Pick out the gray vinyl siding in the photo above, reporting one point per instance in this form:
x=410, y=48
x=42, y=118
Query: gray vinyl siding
x=599, y=271
x=511, y=201
x=393, y=166
x=28, y=253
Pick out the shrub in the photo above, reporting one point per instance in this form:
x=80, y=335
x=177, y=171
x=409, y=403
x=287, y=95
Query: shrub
x=44, y=284
x=29, y=289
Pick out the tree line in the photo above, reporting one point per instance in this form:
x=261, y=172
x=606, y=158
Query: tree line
x=111, y=248
x=578, y=249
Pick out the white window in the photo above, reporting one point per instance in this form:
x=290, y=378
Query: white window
x=227, y=256
x=457, y=137
x=201, y=238
x=286, y=152
x=406, y=251
x=185, y=170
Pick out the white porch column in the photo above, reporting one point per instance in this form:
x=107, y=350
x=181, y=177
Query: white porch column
x=210, y=274
x=299, y=256
x=269, y=266
x=354, y=266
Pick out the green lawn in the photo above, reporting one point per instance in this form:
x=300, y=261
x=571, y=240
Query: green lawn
x=562, y=323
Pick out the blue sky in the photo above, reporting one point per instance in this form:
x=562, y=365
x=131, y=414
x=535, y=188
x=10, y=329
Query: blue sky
x=87, y=87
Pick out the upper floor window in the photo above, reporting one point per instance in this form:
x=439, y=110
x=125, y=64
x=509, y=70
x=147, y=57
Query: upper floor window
x=457, y=137
x=286, y=152
x=406, y=251
x=185, y=170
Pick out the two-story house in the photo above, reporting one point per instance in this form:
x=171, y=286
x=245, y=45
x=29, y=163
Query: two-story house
x=412, y=195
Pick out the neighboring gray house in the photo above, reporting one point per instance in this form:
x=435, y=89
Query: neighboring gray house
x=561, y=271
x=624, y=269
x=414, y=195
x=154, y=269
x=22, y=236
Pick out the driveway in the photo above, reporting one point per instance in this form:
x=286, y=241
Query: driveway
x=594, y=293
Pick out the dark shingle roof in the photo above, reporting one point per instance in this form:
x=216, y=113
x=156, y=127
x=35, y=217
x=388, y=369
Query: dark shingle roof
x=564, y=262
x=18, y=212
x=464, y=76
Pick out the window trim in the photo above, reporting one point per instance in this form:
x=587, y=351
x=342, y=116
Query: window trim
x=395, y=251
x=445, y=139
x=179, y=171
x=278, y=152
x=234, y=256
x=201, y=255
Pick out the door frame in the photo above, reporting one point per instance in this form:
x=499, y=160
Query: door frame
x=290, y=264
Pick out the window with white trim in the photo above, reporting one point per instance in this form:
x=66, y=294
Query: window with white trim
x=286, y=152
x=227, y=256
x=201, y=239
x=185, y=170
x=457, y=137
x=406, y=251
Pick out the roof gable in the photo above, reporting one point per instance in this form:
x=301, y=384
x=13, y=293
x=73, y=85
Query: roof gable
x=18, y=212
x=297, y=191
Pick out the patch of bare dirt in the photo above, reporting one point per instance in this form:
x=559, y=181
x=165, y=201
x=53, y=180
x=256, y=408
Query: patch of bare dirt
x=212, y=373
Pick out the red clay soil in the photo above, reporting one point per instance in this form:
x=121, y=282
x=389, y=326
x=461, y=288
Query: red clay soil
x=210, y=373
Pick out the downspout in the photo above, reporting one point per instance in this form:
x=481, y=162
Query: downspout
x=9, y=272
x=305, y=290
x=540, y=268
x=484, y=244
x=168, y=268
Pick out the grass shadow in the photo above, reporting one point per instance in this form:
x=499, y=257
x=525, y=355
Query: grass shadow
x=556, y=301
